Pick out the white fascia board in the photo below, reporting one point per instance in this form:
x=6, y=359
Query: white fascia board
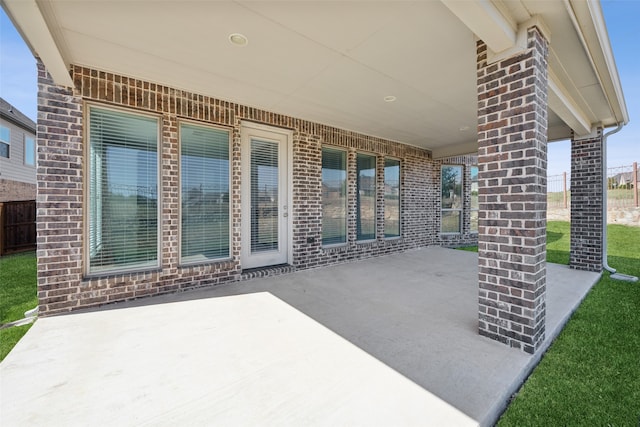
x=561, y=103
x=614, y=86
x=486, y=21
x=28, y=19
x=588, y=21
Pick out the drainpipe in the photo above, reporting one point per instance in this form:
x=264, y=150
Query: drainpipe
x=605, y=187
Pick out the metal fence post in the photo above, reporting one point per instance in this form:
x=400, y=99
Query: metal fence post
x=564, y=189
x=634, y=181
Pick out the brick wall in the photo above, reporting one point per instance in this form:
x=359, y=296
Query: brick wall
x=59, y=201
x=62, y=284
x=13, y=191
x=512, y=156
x=586, y=203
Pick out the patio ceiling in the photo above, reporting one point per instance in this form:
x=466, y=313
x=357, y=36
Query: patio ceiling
x=335, y=62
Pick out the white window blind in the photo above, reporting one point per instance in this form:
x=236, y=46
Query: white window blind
x=334, y=196
x=264, y=196
x=123, y=191
x=204, y=177
x=366, y=197
x=391, y=198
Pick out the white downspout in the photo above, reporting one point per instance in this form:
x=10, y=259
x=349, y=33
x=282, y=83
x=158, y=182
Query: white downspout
x=605, y=187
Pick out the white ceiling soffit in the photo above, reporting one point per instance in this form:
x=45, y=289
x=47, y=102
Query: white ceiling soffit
x=561, y=102
x=333, y=62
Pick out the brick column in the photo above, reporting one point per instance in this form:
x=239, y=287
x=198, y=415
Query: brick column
x=59, y=199
x=586, y=203
x=512, y=161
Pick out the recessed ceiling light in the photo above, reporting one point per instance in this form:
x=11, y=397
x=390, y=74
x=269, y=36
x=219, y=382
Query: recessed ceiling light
x=238, y=39
x=389, y=98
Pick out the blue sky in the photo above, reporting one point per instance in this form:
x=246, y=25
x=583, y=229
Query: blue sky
x=18, y=81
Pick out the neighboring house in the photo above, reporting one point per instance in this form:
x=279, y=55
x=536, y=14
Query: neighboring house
x=17, y=155
x=184, y=145
x=624, y=180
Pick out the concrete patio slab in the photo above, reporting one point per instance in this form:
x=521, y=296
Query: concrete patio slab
x=385, y=341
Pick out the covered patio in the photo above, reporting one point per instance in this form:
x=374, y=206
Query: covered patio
x=385, y=341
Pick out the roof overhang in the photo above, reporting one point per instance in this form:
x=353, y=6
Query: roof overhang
x=335, y=62
x=28, y=20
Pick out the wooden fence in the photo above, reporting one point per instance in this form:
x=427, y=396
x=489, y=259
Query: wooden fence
x=17, y=226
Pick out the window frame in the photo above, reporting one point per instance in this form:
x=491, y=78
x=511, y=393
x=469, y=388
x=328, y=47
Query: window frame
x=375, y=198
x=33, y=151
x=460, y=210
x=345, y=152
x=87, y=107
x=6, y=142
x=229, y=131
x=384, y=198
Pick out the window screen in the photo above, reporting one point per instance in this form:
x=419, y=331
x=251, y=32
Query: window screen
x=391, y=198
x=451, y=193
x=334, y=196
x=29, y=151
x=366, y=197
x=5, y=141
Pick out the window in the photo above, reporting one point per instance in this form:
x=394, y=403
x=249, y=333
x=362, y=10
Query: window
x=365, y=197
x=5, y=141
x=474, y=199
x=123, y=191
x=451, y=182
x=334, y=196
x=204, y=179
x=29, y=151
x=391, y=198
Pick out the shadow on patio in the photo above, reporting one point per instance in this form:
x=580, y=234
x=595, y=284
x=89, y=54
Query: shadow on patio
x=203, y=359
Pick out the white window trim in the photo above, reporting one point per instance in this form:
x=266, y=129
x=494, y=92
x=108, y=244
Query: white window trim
x=86, y=202
x=399, y=236
x=461, y=209
x=375, y=217
x=346, y=219
x=8, y=142
x=230, y=132
x=24, y=154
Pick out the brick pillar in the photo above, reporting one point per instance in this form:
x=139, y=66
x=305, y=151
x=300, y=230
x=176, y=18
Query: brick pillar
x=512, y=161
x=59, y=198
x=586, y=203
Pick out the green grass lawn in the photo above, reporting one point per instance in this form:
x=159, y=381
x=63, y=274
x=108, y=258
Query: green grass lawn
x=18, y=293
x=590, y=376
x=10, y=337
